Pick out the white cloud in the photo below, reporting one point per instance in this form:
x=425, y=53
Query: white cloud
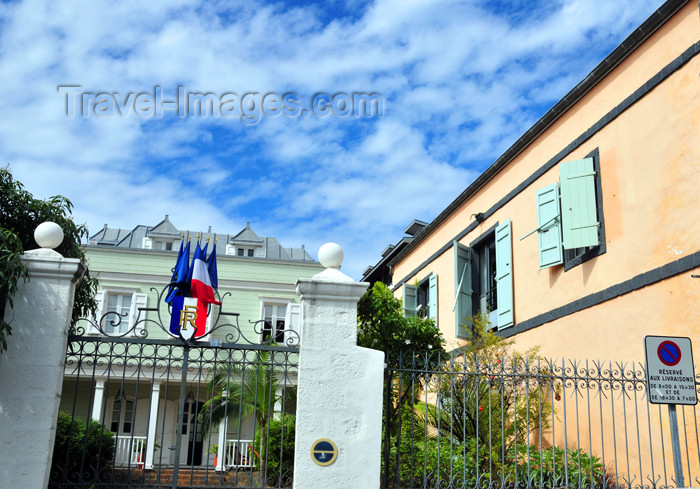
x=460, y=82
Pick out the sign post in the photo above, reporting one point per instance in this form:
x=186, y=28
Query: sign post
x=671, y=380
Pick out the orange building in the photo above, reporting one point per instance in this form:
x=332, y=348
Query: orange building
x=584, y=236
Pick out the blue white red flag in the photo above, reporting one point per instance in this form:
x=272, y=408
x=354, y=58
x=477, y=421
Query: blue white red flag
x=179, y=279
x=211, y=268
x=200, y=285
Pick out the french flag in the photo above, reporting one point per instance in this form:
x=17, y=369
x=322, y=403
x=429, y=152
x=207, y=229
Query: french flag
x=200, y=285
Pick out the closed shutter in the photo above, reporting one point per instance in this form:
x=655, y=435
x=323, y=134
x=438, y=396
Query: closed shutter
x=579, y=216
x=548, y=222
x=137, y=300
x=433, y=297
x=410, y=300
x=463, y=288
x=292, y=325
x=504, y=275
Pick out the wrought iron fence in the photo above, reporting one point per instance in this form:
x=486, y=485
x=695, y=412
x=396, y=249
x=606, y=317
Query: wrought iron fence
x=461, y=421
x=138, y=411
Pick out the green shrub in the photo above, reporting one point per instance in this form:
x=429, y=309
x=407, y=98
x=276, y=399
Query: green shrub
x=279, y=453
x=81, y=453
x=440, y=462
x=550, y=467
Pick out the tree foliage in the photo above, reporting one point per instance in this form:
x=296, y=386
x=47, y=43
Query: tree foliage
x=279, y=449
x=82, y=452
x=20, y=214
x=382, y=326
x=488, y=384
x=238, y=390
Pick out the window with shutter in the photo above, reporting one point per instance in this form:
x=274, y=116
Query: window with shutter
x=570, y=223
x=274, y=314
x=421, y=300
x=484, y=279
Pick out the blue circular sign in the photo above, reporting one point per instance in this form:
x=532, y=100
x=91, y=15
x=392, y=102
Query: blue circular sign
x=324, y=452
x=669, y=353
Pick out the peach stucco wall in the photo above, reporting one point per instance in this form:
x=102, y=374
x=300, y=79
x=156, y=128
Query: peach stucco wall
x=650, y=173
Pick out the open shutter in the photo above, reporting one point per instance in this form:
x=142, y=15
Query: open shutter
x=292, y=324
x=433, y=297
x=99, y=311
x=137, y=300
x=463, y=288
x=579, y=216
x=410, y=300
x=548, y=220
x=504, y=275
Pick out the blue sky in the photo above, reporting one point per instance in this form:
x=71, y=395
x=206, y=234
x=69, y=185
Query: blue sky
x=460, y=82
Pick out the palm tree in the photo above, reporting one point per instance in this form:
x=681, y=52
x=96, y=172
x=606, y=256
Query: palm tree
x=237, y=390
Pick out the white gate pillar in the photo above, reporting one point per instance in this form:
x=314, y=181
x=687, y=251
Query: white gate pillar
x=340, y=384
x=31, y=370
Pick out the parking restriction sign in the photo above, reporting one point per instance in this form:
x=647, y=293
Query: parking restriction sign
x=670, y=370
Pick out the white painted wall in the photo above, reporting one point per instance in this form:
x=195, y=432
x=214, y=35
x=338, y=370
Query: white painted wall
x=31, y=370
x=340, y=387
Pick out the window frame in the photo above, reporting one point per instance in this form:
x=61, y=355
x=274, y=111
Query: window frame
x=274, y=333
x=139, y=299
x=577, y=256
x=484, y=239
x=412, y=292
x=125, y=323
x=121, y=409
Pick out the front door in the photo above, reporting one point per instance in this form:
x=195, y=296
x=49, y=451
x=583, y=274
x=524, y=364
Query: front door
x=192, y=437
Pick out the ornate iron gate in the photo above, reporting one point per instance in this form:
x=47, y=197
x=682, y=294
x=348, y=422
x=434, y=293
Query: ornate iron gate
x=167, y=413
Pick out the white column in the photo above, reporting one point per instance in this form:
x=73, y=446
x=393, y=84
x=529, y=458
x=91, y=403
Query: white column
x=152, y=424
x=98, y=400
x=277, y=408
x=221, y=453
x=31, y=370
x=340, y=384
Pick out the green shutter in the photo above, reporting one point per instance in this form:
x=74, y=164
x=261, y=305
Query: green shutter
x=410, y=300
x=504, y=275
x=463, y=288
x=433, y=297
x=548, y=222
x=579, y=216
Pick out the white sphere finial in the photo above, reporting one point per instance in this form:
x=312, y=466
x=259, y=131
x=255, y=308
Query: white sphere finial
x=48, y=235
x=331, y=255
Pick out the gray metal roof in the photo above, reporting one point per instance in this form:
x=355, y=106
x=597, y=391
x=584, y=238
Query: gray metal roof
x=165, y=231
